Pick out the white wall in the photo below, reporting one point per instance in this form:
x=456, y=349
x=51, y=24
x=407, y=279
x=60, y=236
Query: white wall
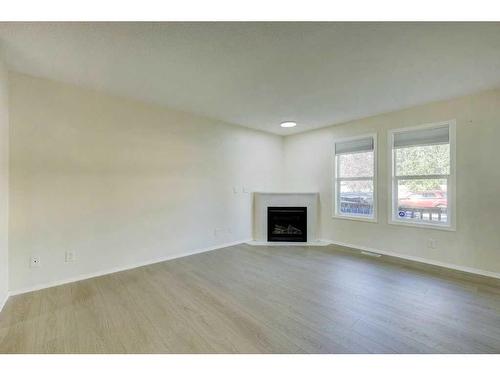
x=4, y=183
x=476, y=242
x=122, y=182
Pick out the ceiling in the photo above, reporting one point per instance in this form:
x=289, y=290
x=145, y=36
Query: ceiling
x=260, y=74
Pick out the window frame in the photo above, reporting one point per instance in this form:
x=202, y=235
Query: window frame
x=451, y=179
x=336, y=181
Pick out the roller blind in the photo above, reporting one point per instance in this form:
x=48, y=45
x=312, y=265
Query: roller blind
x=423, y=137
x=357, y=145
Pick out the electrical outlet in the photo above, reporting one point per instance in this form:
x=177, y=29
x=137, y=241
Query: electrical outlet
x=69, y=256
x=218, y=231
x=431, y=243
x=235, y=190
x=34, y=262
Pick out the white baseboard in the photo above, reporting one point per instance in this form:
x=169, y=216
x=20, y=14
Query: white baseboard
x=451, y=266
x=4, y=301
x=119, y=269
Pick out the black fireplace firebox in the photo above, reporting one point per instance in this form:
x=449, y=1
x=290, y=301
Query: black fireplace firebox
x=288, y=224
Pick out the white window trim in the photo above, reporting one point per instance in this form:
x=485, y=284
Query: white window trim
x=335, y=213
x=452, y=182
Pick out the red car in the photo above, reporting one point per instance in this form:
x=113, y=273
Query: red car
x=428, y=199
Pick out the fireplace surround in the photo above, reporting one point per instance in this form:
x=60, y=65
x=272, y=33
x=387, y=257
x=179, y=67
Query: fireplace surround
x=263, y=200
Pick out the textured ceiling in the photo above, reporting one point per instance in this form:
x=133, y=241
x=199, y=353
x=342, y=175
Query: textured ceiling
x=259, y=74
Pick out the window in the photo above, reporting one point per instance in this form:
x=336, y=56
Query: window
x=423, y=176
x=355, y=178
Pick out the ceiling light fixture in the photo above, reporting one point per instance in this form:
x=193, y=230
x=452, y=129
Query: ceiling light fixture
x=288, y=124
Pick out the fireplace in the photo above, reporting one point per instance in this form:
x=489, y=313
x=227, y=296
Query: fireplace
x=287, y=224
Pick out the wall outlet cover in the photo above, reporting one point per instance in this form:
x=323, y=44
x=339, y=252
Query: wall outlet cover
x=431, y=243
x=69, y=256
x=34, y=262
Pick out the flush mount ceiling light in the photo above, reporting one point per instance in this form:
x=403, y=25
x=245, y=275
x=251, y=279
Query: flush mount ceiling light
x=288, y=124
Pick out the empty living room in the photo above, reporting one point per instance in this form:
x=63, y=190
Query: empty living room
x=245, y=186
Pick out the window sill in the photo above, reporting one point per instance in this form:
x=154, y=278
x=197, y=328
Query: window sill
x=444, y=227
x=356, y=218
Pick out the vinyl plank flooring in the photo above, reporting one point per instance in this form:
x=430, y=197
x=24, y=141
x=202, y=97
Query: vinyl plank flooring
x=249, y=299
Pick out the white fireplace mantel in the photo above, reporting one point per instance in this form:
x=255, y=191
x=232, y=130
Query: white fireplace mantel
x=262, y=200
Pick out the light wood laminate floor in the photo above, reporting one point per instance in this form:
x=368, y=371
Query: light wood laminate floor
x=252, y=299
